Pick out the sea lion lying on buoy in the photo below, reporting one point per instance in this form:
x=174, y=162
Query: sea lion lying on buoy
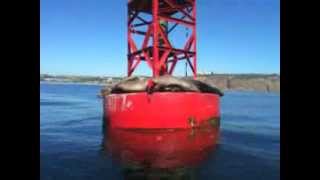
x=165, y=83
x=206, y=88
x=131, y=84
x=170, y=83
x=105, y=91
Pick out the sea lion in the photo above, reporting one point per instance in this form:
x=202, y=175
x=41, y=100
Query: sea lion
x=165, y=83
x=131, y=84
x=170, y=83
x=105, y=91
x=206, y=88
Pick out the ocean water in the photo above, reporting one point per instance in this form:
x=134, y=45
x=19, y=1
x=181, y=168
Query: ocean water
x=73, y=143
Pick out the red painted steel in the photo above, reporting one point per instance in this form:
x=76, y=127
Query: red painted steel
x=161, y=149
x=161, y=109
x=160, y=57
x=146, y=18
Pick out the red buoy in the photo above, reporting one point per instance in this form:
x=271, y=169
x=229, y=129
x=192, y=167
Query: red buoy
x=161, y=109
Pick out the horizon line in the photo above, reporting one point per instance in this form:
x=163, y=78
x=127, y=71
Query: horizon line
x=249, y=73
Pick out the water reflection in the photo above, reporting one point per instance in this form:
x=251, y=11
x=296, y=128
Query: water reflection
x=160, y=154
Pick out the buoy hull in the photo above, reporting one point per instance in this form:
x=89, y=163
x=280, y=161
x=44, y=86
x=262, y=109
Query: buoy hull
x=161, y=110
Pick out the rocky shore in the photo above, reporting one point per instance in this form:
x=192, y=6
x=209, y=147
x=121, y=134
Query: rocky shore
x=267, y=83
x=244, y=82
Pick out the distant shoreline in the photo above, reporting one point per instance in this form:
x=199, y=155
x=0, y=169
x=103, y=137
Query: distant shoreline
x=70, y=83
x=230, y=82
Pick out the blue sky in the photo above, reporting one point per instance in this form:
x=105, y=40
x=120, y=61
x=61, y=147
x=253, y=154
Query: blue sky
x=88, y=37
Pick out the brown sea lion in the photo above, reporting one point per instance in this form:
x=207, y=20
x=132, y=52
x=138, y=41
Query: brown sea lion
x=105, y=91
x=170, y=83
x=206, y=88
x=165, y=83
x=131, y=84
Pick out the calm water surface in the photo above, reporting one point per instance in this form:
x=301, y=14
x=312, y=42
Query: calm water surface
x=73, y=145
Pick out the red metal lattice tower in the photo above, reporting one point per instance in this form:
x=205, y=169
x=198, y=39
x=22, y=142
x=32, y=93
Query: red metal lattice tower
x=157, y=50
